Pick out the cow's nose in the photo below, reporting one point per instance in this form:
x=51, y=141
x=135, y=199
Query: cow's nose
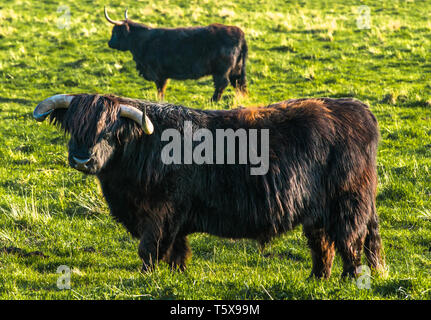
x=81, y=163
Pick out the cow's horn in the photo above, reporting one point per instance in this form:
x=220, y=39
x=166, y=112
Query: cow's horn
x=138, y=116
x=125, y=15
x=44, y=108
x=117, y=23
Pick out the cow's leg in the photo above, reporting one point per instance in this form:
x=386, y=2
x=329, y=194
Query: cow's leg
x=350, y=250
x=373, y=243
x=161, y=88
x=153, y=246
x=238, y=81
x=233, y=79
x=350, y=230
x=242, y=82
x=221, y=81
x=178, y=253
x=322, y=252
x=149, y=251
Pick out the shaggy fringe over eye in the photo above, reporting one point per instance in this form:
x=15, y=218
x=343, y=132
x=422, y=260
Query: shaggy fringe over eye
x=87, y=116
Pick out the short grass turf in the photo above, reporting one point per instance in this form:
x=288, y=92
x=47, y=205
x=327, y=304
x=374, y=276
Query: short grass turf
x=297, y=49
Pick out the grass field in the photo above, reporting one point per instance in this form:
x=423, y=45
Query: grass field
x=296, y=49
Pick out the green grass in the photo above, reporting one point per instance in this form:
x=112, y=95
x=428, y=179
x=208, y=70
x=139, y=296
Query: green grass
x=297, y=49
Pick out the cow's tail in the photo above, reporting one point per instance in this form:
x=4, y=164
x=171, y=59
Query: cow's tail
x=242, y=83
x=238, y=77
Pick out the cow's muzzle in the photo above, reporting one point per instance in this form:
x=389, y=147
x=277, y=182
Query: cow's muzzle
x=80, y=164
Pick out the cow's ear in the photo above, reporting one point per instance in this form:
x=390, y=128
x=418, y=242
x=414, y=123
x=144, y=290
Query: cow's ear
x=126, y=29
x=57, y=117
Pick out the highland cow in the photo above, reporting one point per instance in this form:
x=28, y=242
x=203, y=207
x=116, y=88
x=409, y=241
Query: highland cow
x=321, y=175
x=184, y=53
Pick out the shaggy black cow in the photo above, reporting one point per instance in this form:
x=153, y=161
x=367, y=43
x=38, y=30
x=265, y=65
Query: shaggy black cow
x=184, y=53
x=321, y=174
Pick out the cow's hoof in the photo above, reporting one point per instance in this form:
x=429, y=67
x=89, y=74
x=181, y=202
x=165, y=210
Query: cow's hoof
x=147, y=268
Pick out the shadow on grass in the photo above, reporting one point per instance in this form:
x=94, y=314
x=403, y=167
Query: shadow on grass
x=211, y=249
x=16, y=100
x=392, y=192
x=282, y=49
x=279, y=291
x=398, y=287
x=284, y=256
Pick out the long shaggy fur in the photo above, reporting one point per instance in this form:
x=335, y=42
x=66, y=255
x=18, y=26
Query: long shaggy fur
x=322, y=174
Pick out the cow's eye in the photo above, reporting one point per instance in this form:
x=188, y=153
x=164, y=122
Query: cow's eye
x=107, y=135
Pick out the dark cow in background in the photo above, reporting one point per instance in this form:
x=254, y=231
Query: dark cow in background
x=322, y=174
x=184, y=53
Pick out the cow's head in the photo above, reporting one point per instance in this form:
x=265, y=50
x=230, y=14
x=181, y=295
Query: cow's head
x=120, y=33
x=93, y=124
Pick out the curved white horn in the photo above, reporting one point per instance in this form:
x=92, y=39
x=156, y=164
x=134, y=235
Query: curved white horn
x=138, y=116
x=44, y=108
x=117, y=23
x=125, y=14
